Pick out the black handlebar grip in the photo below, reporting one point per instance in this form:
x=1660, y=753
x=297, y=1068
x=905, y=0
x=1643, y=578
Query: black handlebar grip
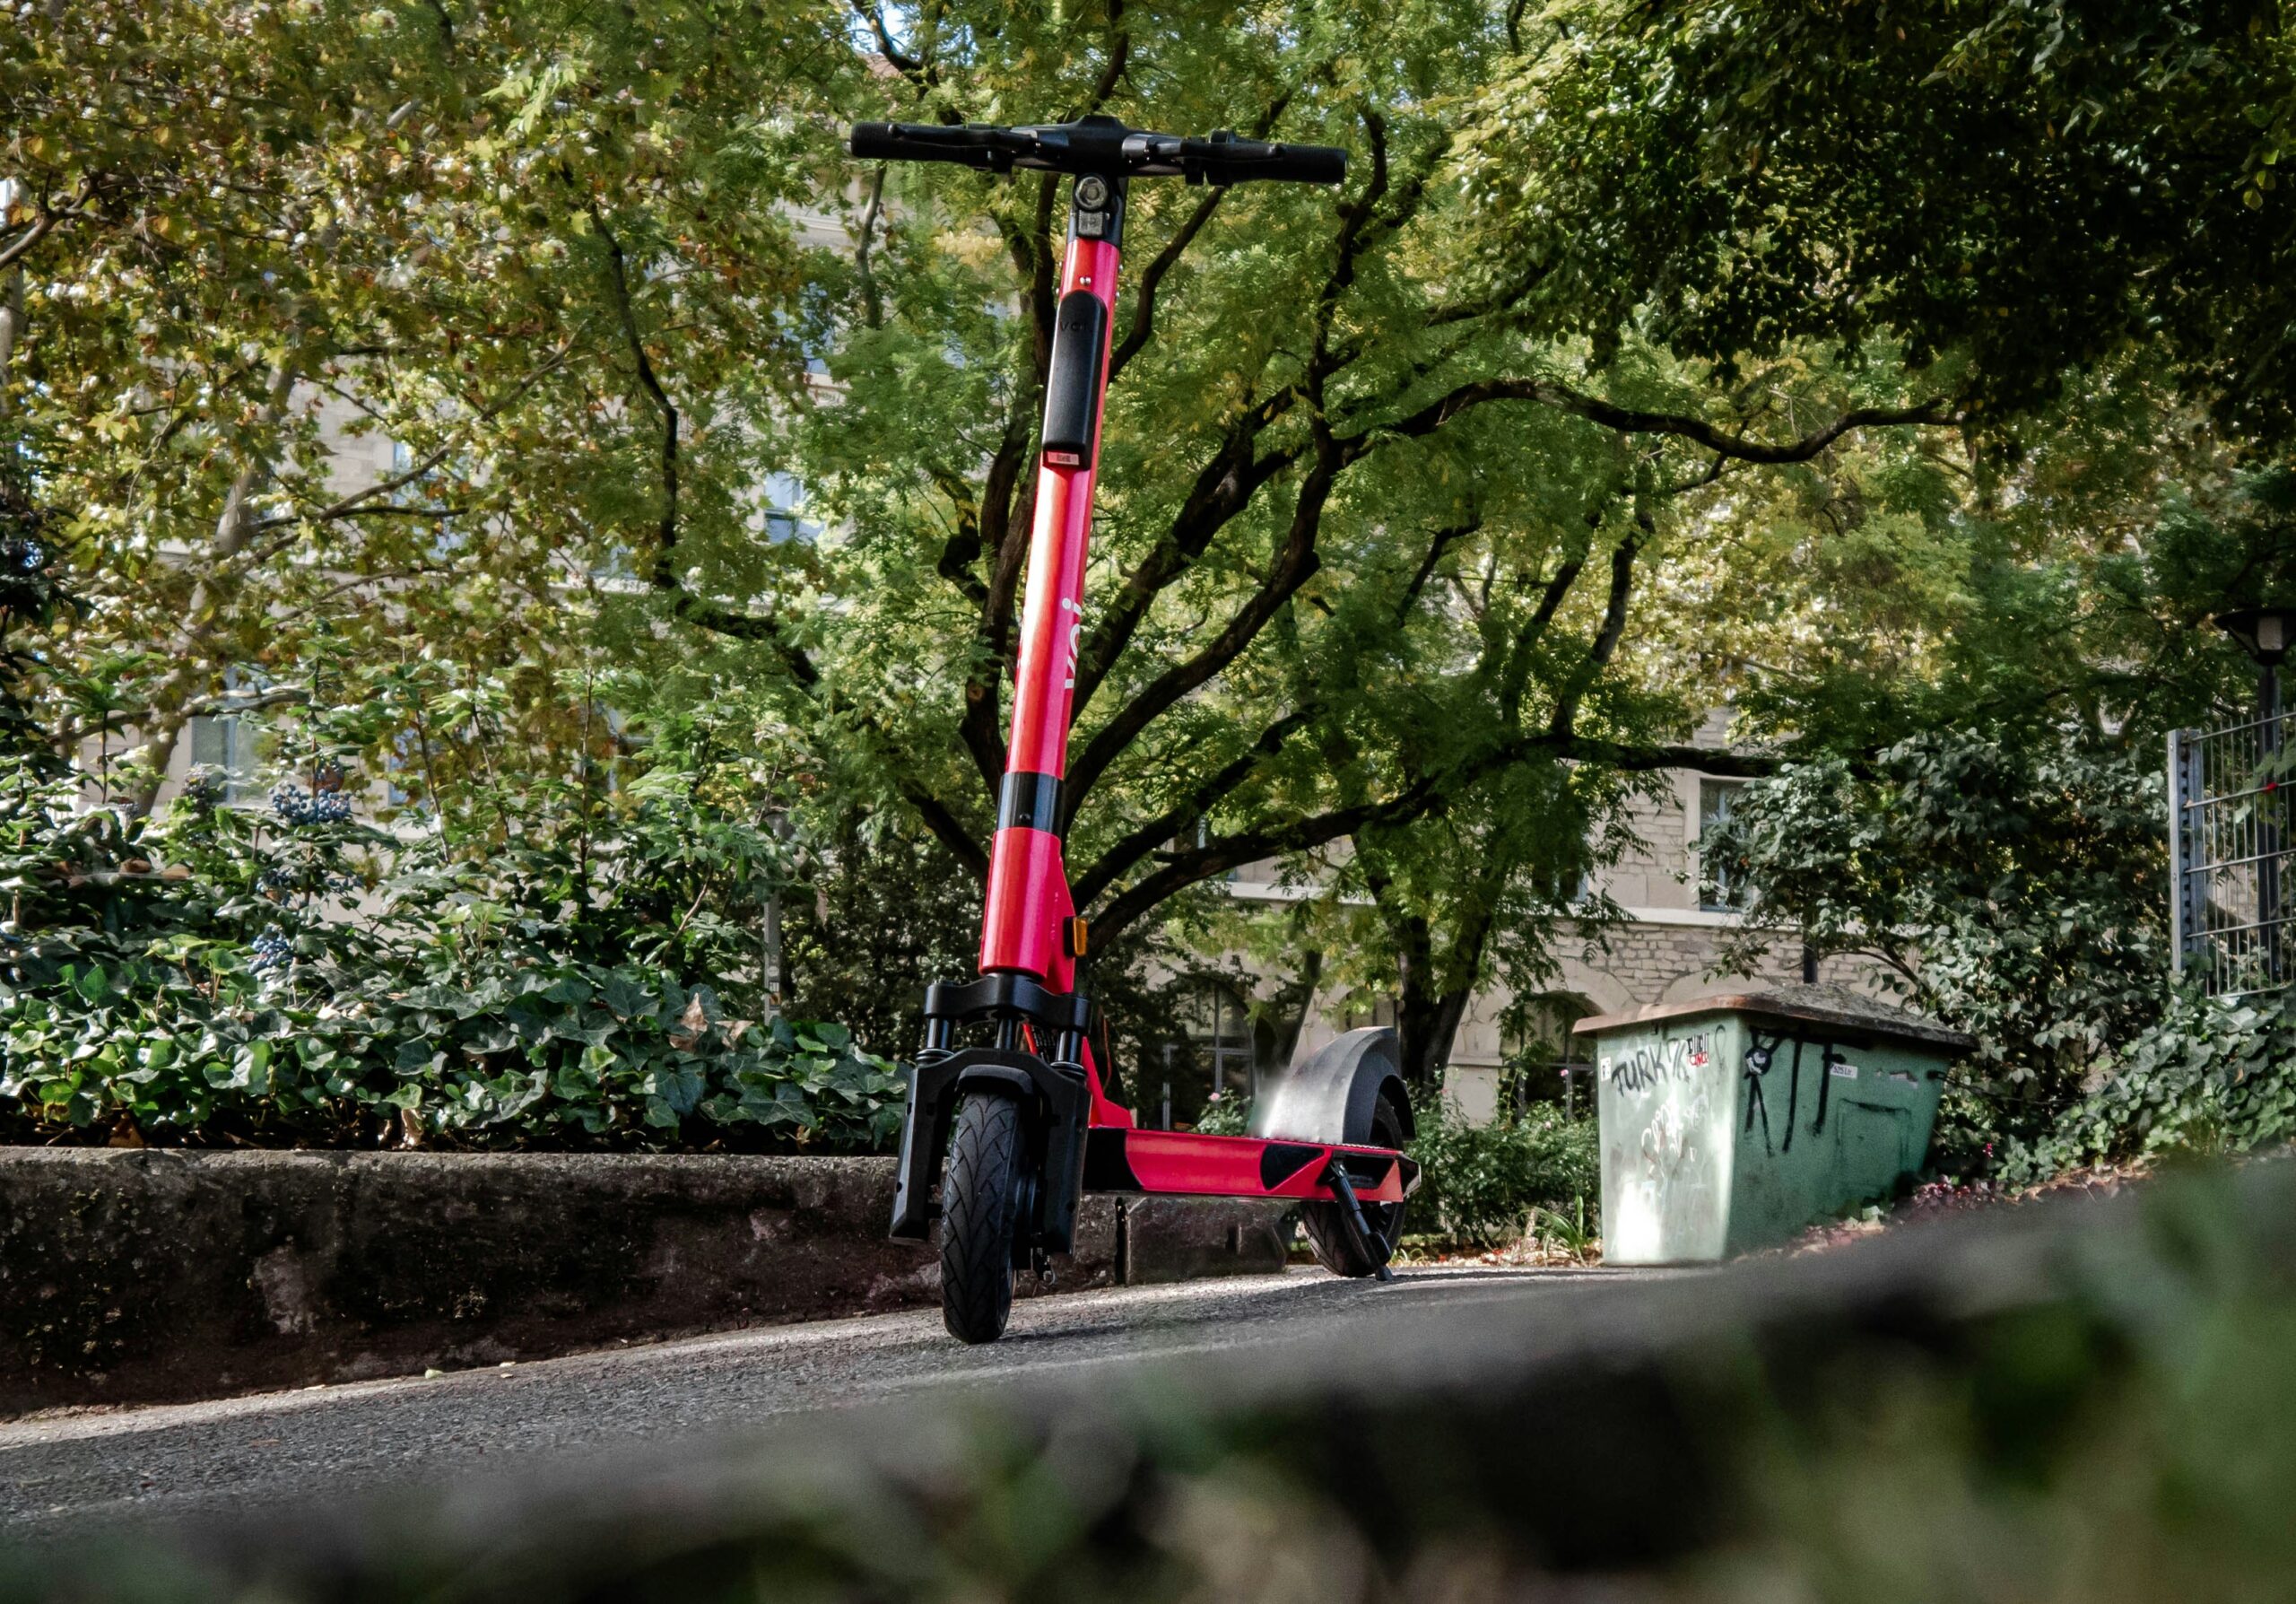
x=1221, y=159
x=932, y=141
x=875, y=142
x=1226, y=159
x=1311, y=164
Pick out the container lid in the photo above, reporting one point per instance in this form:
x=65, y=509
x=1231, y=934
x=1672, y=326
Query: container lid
x=1837, y=1006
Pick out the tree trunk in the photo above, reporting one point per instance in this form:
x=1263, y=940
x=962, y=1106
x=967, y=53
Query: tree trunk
x=12, y=328
x=163, y=724
x=1289, y=1006
x=1428, y=1023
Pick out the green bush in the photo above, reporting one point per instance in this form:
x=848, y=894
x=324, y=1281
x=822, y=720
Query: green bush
x=1226, y=1114
x=2014, y=890
x=292, y=975
x=1480, y=1183
x=2212, y=1077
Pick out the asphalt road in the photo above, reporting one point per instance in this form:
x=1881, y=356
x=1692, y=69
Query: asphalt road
x=648, y=1405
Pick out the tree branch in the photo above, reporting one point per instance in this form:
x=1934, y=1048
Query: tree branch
x=1446, y=537
x=906, y=65
x=1151, y=279
x=40, y=227
x=1422, y=797
x=37, y=231
x=1138, y=843
x=1143, y=301
x=873, y=305
x=944, y=825
x=1224, y=488
x=1294, y=564
x=1611, y=630
x=662, y=573
x=1628, y=420
x=1111, y=70
x=356, y=502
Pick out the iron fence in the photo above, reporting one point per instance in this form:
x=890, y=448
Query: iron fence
x=2228, y=830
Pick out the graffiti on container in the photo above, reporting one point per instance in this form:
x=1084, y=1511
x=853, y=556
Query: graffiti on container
x=1762, y=1054
x=1671, y=1169
x=1670, y=1147
x=1647, y=1066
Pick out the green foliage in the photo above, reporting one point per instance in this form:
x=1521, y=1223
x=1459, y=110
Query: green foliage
x=2014, y=891
x=2006, y=190
x=292, y=976
x=884, y=912
x=231, y=213
x=1485, y=1184
x=1225, y=1114
x=2212, y=1076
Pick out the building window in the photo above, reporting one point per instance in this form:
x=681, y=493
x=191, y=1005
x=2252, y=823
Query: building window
x=784, y=510
x=224, y=744
x=1718, y=890
x=1547, y=1062
x=1220, y=1031
x=1216, y=1056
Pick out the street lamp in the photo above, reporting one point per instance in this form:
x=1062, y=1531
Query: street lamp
x=2264, y=634
x=2267, y=634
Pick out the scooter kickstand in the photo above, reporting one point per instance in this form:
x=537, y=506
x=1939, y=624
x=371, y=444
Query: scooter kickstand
x=1335, y=1177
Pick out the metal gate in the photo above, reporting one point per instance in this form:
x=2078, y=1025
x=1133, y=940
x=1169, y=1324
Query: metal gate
x=2228, y=829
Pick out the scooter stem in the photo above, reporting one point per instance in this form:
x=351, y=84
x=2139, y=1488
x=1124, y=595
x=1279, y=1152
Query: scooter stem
x=1030, y=924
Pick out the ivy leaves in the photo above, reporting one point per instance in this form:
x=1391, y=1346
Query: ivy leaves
x=519, y=1059
x=558, y=987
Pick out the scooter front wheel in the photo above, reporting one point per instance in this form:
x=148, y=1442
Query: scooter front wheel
x=981, y=1192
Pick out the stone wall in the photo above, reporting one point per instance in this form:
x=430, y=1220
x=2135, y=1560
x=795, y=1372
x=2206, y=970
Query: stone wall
x=1648, y=962
x=131, y=1276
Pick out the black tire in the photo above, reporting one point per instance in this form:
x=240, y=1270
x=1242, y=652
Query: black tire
x=981, y=1192
x=1332, y=1234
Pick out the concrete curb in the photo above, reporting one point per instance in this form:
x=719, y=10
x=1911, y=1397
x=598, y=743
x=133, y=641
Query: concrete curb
x=159, y=1276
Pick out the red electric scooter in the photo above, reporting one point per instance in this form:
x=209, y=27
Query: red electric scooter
x=1010, y=1117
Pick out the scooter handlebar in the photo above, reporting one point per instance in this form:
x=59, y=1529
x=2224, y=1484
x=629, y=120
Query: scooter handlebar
x=1099, y=144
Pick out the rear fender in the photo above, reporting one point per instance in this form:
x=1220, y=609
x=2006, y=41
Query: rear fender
x=1333, y=1096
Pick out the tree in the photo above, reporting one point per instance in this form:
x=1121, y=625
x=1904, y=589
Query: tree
x=557, y=259
x=1311, y=408
x=1974, y=650
x=220, y=217
x=2004, y=190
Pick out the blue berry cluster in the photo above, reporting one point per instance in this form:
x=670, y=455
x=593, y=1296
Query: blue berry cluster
x=298, y=807
x=280, y=883
x=272, y=950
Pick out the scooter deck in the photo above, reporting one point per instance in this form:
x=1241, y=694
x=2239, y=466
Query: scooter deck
x=1179, y=1162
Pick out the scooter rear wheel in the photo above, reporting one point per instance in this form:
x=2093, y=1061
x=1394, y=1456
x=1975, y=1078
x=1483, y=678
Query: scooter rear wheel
x=980, y=1191
x=1332, y=1233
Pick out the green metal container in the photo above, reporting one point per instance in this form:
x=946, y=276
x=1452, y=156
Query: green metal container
x=1731, y=1122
